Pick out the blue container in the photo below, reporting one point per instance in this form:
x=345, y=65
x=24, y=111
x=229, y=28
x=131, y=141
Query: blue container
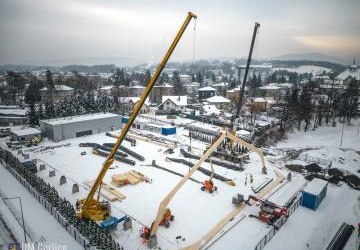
x=124, y=119
x=314, y=193
x=168, y=130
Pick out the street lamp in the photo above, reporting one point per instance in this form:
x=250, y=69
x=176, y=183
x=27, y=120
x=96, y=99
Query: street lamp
x=22, y=215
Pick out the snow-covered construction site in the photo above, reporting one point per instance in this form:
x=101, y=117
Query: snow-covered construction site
x=170, y=188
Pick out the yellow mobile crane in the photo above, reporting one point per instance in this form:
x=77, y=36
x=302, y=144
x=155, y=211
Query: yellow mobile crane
x=90, y=207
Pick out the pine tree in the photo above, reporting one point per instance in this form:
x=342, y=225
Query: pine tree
x=305, y=107
x=41, y=114
x=33, y=119
x=178, y=88
x=349, y=101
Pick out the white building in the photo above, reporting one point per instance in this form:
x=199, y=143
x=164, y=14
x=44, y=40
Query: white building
x=263, y=70
x=185, y=78
x=173, y=103
x=352, y=72
x=219, y=101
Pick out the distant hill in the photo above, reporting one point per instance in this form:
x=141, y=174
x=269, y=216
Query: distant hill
x=335, y=67
x=310, y=57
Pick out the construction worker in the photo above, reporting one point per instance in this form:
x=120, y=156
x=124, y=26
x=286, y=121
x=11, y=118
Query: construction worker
x=245, y=180
x=251, y=178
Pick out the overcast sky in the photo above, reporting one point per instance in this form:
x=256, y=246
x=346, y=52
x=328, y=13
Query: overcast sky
x=43, y=30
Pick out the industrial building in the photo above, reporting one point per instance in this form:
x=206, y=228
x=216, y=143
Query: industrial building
x=25, y=134
x=76, y=126
x=314, y=193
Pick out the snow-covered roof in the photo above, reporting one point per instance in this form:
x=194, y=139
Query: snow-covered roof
x=218, y=99
x=211, y=109
x=270, y=100
x=270, y=87
x=353, y=71
x=164, y=85
x=137, y=87
x=107, y=87
x=259, y=99
x=315, y=186
x=133, y=99
x=178, y=100
x=242, y=132
x=207, y=88
x=70, y=119
x=221, y=84
x=27, y=131
x=59, y=88
x=13, y=112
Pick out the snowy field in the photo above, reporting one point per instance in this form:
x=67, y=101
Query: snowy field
x=197, y=212
x=306, y=69
x=341, y=204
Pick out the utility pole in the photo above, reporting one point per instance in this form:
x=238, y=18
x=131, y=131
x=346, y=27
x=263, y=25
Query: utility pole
x=22, y=214
x=342, y=134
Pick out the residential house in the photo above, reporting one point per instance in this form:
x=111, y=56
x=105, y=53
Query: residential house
x=59, y=93
x=159, y=91
x=206, y=92
x=219, y=101
x=128, y=104
x=173, y=103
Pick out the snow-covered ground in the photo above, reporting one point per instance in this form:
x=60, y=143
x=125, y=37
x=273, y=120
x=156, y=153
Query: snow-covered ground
x=307, y=229
x=196, y=212
x=306, y=69
x=40, y=224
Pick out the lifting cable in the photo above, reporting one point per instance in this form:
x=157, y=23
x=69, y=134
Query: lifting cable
x=193, y=47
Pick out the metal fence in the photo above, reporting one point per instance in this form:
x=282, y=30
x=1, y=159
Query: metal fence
x=52, y=210
x=310, y=159
x=277, y=225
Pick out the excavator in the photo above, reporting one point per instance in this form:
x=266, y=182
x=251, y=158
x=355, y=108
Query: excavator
x=208, y=185
x=90, y=207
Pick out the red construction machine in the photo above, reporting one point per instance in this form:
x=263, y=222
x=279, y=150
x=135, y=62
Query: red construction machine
x=168, y=216
x=269, y=211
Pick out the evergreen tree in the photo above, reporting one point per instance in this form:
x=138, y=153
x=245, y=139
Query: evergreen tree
x=349, y=103
x=147, y=78
x=41, y=114
x=178, y=88
x=33, y=119
x=199, y=78
x=305, y=107
x=164, y=78
x=49, y=109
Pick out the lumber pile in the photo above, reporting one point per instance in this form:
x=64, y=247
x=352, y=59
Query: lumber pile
x=108, y=192
x=132, y=177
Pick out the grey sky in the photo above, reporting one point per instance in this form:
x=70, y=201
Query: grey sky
x=42, y=30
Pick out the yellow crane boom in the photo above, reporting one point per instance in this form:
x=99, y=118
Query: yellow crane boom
x=91, y=208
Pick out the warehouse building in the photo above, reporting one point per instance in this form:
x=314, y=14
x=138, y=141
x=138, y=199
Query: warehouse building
x=26, y=134
x=314, y=193
x=76, y=126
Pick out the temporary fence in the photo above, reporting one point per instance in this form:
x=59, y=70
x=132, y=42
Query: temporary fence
x=277, y=225
x=307, y=158
x=52, y=210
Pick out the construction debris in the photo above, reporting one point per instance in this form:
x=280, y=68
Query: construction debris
x=108, y=192
x=132, y=177
x=153, y=164
x=126, y=150
x=204, y=171
x=117, y=157
x=219, y=163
